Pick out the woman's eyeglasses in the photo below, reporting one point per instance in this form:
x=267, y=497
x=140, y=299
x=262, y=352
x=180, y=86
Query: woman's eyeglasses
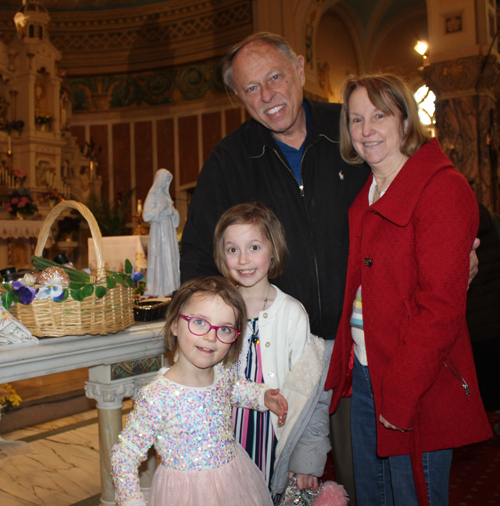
x=200, y=327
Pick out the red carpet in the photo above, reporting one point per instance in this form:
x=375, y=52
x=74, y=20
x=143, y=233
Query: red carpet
x=475, y=473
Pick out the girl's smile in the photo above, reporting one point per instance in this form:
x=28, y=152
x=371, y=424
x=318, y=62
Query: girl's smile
x=248, y=254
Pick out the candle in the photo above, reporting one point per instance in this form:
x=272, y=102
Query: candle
x=139, y=206
x=9, y=150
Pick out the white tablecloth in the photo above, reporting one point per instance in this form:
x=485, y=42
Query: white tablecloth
x=120, y=248
x=15, y=229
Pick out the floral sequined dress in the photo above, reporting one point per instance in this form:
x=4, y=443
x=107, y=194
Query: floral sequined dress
x=201, y=463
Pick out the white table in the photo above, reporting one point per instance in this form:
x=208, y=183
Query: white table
x=120, y=364
x=119, y=248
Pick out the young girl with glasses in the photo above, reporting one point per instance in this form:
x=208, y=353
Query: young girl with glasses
x=278, y=350
x=186, y=411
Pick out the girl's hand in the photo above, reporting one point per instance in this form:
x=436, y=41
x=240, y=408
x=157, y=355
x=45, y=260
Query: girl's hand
x=277, y=404
x=388, y=425
x=305, y=481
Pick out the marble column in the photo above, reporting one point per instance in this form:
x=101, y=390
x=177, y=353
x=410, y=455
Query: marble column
x=466, y=119
x=109, y=399
x=109, y=385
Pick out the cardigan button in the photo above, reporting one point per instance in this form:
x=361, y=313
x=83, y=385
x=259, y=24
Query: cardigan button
x=265, y=315
x=368, y=262
x=268, y=344
x=271, y=374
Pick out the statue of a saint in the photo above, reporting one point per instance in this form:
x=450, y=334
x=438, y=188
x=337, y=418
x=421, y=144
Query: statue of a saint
x=163, y=275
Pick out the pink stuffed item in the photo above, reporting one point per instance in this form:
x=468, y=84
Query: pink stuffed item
x=332, y=494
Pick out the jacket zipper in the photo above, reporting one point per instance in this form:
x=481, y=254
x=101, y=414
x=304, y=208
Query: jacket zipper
x=453, y=369
x=302, y=194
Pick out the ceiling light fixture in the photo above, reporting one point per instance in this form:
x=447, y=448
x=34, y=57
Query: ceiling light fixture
x=421, y=48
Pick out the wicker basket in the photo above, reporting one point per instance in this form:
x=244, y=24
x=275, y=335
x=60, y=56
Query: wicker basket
x=112, y=313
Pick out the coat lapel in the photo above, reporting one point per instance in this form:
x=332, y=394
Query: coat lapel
x=402, y=196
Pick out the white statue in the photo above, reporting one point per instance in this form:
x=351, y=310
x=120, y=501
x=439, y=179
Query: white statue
x=163, y=275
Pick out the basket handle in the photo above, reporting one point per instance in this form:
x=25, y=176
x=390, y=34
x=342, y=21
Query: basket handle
x=89, y=217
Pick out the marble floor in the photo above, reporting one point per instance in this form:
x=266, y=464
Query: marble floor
x=58, y=465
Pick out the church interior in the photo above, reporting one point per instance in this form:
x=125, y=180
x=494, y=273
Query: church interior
x=97, y=95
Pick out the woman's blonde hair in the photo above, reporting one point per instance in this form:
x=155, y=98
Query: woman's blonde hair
x=262, y=216
x=210, y=286
x=392, y=96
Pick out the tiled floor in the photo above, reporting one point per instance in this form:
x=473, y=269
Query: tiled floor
x=62, y=468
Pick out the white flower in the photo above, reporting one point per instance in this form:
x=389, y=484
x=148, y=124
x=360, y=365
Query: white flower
x=53, y=291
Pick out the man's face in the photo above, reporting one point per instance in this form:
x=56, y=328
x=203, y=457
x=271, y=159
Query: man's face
x=270, y=87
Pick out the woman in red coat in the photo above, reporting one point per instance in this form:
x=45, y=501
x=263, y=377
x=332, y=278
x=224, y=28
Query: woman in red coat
x=402, y=341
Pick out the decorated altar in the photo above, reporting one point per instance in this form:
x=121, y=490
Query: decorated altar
x=41, y=163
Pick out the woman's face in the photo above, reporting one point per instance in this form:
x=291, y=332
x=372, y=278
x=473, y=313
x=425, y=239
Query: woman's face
x=375, y=135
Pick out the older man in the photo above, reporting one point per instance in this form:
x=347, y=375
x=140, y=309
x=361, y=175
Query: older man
x=287, y=155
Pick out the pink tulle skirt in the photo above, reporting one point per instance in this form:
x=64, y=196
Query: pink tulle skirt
x=240, y=483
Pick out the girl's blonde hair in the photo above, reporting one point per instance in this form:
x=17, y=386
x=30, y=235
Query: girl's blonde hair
x=262, y=216
x=210, y=286
x=392, y=96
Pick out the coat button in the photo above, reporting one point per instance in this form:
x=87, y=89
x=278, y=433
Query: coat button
x=265, y=315
x=368, y=261
x=271, y=374
x=268, y=344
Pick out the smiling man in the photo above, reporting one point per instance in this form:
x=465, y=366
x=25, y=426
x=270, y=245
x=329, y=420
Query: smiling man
x=287, y=156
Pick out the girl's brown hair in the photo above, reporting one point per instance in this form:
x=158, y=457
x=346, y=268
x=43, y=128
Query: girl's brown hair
x=210, y=286
x=392, y=96
x=262, y=216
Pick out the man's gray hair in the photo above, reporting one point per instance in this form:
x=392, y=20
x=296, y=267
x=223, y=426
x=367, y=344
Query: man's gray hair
x=270, y=39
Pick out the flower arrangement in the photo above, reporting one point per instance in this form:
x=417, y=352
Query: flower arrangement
x=20, y=201
x=51, y=197
x=8, y=397
x=14, y=126
x=43, y=118
x=79, y=288
x=19, y=176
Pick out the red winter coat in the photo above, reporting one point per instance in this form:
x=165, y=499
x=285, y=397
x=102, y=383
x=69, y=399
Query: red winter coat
x=410, y=253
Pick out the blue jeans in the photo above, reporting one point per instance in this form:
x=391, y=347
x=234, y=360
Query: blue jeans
x=388, y=481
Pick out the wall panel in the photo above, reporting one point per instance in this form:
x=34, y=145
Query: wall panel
x=165, y=149
x=99, y=134
x=121, y=161
x=143, y=137
x=188, y=149
x=211, y=128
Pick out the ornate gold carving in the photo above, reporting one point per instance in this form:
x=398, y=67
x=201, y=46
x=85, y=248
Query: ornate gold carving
x=148, y=36
x=462, y=75
x=465, y=118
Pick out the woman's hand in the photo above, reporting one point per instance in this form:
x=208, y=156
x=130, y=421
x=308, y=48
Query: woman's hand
x=305, y=481
x=474, y=262
x=388, y=425
x=277, y=404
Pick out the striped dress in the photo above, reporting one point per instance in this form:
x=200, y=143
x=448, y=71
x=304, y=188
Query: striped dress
x=253, y=429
